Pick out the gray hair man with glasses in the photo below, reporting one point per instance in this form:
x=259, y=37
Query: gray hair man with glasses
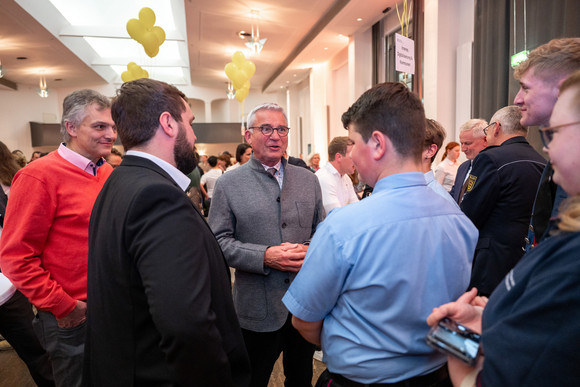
x=499, y=197
x=263, y=215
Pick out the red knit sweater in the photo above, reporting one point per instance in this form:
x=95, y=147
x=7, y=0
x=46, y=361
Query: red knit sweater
x=44, y=247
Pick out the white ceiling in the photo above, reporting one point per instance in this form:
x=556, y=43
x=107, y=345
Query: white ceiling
x=201, y=38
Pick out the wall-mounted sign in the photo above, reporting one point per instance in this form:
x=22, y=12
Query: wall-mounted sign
x=404, y=54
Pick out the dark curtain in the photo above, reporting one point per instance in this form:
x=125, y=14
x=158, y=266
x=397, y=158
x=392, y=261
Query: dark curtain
x=490, y=68
x=493, y=85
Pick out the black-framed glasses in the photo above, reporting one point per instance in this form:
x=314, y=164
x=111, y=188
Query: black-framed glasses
x=547, y=134
x=267, y=130
x=486, y=129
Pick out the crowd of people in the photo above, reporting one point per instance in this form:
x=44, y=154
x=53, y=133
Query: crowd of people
x=127, y=257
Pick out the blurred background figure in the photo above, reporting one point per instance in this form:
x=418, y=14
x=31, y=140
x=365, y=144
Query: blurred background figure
x=115, y=158
x=243, y=154
x=314, y=161
x=35, y=155
x=447, y=169
x=434, y=136
x=19, y=157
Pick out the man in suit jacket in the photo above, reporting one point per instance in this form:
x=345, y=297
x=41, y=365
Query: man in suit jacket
x=472, y=141
x=160, y=310
x=499, y=197
x=262, y=213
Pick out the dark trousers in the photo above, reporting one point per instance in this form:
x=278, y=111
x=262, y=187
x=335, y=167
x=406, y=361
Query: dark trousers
x=65, y=346
x=264, y=348
x=437, y=378
x=16, y=326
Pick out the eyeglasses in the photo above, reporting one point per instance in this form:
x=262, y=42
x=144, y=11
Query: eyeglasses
x=267, y=130
x=486, y=129
x=547, y=134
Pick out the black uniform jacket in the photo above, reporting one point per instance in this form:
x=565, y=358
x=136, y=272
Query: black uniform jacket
x=499, y=198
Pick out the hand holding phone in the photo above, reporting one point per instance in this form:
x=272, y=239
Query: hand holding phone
x=452, y=338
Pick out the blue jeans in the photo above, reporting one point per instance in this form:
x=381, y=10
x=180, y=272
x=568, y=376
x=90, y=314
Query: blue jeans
x=65, y=346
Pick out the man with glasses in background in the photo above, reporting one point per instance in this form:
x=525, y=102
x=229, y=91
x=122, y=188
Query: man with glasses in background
x=499, y=197
x=263, y=215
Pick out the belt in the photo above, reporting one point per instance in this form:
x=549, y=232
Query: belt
x=430, y=379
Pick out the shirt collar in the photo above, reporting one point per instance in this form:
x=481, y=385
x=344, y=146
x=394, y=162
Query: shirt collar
x=400, y=180
x=332, y=169
x=179, y=177
x=79, y=160
x=429, y=177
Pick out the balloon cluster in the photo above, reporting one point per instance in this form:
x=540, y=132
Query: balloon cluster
x=134, y=71
x=240, y=70
x=144, y=31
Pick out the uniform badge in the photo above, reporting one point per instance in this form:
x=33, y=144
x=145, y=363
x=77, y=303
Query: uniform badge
x=471, y=182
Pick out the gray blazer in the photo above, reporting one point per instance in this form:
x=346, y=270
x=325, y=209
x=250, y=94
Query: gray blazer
x=248, y=214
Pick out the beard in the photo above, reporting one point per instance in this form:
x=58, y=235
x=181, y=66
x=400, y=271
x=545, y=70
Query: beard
x=185, y=158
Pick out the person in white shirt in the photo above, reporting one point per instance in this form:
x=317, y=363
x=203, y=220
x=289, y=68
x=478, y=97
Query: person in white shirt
x=337, y=188
x=447, y=169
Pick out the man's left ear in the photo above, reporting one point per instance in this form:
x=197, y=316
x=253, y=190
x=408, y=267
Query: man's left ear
x=378, y=144
x=430, y=151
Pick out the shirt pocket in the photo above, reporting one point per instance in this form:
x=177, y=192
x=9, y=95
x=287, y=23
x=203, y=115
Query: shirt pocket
x=305, y=213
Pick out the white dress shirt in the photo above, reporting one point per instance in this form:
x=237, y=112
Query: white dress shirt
x=337, y=191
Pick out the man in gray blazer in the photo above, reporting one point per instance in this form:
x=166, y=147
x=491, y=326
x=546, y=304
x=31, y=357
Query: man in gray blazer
x=263, y=215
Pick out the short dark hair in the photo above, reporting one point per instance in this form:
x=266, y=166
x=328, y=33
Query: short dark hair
x=434, y=134
x=338, y=145
x=395, y=111
x=212, y=161
x=74, y=108
x=116, y=152
x=139, y=104
x=240, y=150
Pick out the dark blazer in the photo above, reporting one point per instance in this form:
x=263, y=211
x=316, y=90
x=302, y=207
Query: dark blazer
x=459, y=180
x=160, y=310
x=498, y=200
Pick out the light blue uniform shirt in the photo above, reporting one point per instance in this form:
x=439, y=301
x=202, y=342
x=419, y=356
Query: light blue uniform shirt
x=438, y=188
x=374, y=271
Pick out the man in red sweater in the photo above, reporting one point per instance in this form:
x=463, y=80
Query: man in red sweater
x=44, y=245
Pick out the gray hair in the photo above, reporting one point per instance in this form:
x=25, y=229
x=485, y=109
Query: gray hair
x=509, y=117
x=74, y=108
x=476, y=125
x=265, y=106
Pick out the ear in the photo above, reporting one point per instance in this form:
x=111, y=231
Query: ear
x=430, y=151
x=379, y=145
x=168, y=124
x=248, y=137
x=70, y=128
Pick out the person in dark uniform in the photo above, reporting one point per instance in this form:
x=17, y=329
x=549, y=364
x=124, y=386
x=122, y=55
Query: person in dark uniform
x=499, y=197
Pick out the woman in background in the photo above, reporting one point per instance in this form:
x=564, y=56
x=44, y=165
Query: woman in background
x=447, y=168
x=314, y=161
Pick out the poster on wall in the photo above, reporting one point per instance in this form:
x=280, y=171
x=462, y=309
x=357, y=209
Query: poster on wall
x=404, y=54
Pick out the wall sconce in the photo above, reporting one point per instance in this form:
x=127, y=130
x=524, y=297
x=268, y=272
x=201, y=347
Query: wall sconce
x=43, y=88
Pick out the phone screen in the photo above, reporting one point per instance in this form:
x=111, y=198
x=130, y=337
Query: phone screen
x=453, y=338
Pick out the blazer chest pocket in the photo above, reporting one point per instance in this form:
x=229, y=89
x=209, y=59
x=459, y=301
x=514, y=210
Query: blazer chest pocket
x=305, y=213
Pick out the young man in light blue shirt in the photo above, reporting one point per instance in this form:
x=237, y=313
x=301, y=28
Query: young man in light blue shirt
x=375, y=269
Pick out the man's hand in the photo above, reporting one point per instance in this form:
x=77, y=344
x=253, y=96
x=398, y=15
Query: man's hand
x=74, y=318
x=467, y=310
x=286, y=257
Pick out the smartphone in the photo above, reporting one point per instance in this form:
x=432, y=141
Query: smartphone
x=455, y=339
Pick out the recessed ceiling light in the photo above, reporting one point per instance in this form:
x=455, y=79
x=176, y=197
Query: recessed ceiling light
x=21, y=57
x=359, y=19
x=287, y=81
x=294, y=75
x=326, y=48
x=57, y=79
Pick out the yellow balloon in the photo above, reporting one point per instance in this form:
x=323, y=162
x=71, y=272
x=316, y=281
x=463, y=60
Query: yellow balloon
x=126, y=76
x=132, y=66
x=239, y=80
x=230, y=70
x=249, y=68
x=136, y=29
x=159, y=33
x=151, y=51
x=147, y=16
x=238, y=58
x=150, y=44
x=242, y=94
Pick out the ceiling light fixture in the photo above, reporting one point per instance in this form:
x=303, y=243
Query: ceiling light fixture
x=254, y=43
x=43, y=88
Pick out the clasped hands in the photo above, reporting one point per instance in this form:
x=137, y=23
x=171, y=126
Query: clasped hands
x=285, y=257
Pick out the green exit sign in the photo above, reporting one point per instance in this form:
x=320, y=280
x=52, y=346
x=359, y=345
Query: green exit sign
x=519, y=57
